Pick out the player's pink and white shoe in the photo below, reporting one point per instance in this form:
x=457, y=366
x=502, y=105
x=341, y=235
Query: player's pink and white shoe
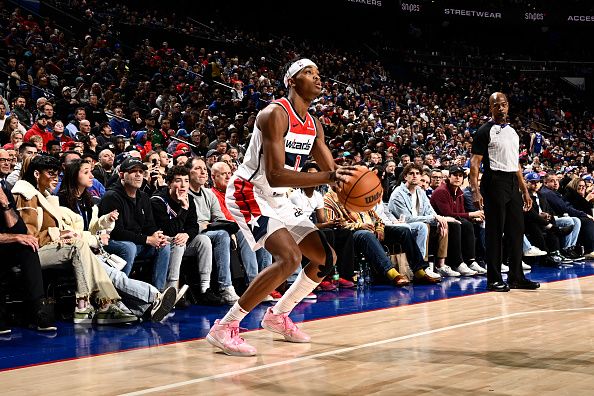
x=283, y=325
x=226, y=336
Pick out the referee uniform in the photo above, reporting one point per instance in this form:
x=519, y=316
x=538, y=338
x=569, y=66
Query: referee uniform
x=503, y=205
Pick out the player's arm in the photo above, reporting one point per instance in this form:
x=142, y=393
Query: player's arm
x=320, y=151
x=273, y=122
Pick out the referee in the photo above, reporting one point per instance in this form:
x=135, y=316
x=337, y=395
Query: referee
x=496, y=144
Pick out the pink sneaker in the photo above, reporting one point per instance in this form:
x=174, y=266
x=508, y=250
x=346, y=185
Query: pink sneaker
x=226, y=336
x=283, y=325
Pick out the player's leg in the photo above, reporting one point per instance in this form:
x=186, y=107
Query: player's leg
x=287, y=256
x=322, y=259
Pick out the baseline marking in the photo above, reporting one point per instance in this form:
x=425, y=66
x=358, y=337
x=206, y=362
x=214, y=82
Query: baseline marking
x=344, y=350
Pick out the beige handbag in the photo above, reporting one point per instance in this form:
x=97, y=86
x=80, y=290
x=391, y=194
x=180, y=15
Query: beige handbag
x=400, y=263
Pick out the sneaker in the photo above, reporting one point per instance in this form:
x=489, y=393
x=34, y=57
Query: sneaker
x=326, y=286
x=113, y=315
x=534, y=252
x=268, y=298
x=84, y=315
x=229, y=296
x=277, y=296
x=504, y=268
x=43, y=318
x=210, y=297
x=558, y=257
x=180, y=293
x=226, y=337
x=477, y=268
x=283, y=325
x=345, y=284
x=310, y=297
x=446, y=271
x=589, y=256
x=44, y=323
x=163, y=304
x=465, y=271
x=573, y=252
x=525, y=266
x=429, y=271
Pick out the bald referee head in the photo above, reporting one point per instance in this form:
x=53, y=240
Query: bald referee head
x=499, y=107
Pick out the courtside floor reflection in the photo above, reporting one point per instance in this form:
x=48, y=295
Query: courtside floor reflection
x=24, y=347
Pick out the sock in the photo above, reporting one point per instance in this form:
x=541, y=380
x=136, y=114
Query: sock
x=170, y=283
x=293, y=296
x=204, y=285
x=420, y=273
x=392, y=273
x=235, y=313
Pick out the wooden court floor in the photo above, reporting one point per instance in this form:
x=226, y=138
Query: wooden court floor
x=517, y=343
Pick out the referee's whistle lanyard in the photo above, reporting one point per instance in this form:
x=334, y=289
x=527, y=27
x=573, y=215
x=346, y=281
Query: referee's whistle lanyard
x=501, y=126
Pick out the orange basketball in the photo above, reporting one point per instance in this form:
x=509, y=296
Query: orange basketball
x=362, y=192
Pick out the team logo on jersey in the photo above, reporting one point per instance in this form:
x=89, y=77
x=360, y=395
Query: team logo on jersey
x=295, y=145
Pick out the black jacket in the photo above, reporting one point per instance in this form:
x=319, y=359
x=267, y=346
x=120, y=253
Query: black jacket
x=174, y=219
x=577, y=201
x=136, y=220
x=19, y=227
x=533, y=214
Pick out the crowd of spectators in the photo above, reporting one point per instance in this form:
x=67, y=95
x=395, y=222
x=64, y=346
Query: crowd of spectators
x=164, y=127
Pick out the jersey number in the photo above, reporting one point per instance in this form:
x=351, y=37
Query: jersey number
x=297, y=162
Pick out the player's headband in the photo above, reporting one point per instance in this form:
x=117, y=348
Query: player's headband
x=296, y=67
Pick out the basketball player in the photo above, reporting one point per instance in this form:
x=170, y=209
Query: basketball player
x=284, y=136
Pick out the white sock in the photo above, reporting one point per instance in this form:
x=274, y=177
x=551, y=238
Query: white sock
x=293, y=296
x=204, y=285
x=235, y=313
x=171, y=283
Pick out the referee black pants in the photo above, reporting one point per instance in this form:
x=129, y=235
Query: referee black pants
x=504, y=224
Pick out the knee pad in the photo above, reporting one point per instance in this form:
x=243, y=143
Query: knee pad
x=328, y=267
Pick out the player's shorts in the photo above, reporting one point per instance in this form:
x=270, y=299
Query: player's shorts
x=259, y=215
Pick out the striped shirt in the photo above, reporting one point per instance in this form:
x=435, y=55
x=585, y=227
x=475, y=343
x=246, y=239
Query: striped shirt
x=499, y=144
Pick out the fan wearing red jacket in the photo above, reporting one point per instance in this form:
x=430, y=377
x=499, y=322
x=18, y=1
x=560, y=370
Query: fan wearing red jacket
x=448, y=200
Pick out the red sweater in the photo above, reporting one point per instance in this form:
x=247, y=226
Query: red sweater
x=447, y=202
x=221, y=197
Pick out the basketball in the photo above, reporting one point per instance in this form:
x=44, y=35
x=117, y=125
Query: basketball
x=362, y=192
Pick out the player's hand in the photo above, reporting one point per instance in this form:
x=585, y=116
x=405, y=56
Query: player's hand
x=343, y=174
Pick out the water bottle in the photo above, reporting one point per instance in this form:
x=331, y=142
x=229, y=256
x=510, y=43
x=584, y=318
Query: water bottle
x=367, y=274
x=361, y=275
x=335, y=277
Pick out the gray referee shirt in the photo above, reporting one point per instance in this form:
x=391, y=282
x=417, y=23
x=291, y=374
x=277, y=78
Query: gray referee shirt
x=499, y=145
